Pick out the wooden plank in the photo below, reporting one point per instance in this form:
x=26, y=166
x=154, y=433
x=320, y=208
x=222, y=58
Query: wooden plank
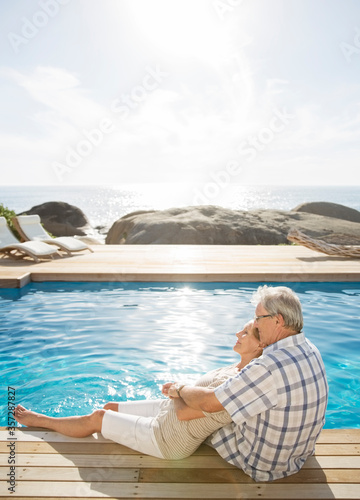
x=339, y=436
x=116, y=449
x=88, y=474
x=37, y=435
x=327, y=436
x=145, y=461
x=159, y=475
x=59, y=498
x=332, y=462
x=109, y=448
x=34, y=489
x=304, y=476
x=255, y=275
x=337, y=449
x=127, y=461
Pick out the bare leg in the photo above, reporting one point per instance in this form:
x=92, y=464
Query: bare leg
x=69, y=426
x=111, y=406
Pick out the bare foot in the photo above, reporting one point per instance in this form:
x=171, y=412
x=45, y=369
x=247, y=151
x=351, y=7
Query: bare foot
x=26, y=417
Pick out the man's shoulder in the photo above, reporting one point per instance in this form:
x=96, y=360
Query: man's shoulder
x=283, y=351
x=304, y=354
x=257, y=368
x=289, y=346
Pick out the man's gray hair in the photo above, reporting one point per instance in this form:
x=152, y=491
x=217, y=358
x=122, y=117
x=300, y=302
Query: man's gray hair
x=280, y=300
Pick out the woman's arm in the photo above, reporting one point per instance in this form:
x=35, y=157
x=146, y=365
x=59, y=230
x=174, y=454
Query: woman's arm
x=197, y=398
x=184, y=412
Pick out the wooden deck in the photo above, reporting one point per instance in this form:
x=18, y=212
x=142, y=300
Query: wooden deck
x=183, y=263
x=49, y=465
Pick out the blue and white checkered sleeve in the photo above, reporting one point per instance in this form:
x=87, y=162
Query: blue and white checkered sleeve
x=251, y=392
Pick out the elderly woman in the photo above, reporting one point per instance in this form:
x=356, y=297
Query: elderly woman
x=164, y=428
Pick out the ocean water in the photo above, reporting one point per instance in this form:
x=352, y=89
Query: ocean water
x=103, y=205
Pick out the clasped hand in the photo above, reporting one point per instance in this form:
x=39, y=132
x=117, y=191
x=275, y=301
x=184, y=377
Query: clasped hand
x=169, y=390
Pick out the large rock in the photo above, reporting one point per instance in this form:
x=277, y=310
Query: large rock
x=212, y=225
x=329, y=210
x=61, y=219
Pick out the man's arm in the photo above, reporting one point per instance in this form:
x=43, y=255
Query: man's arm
x=197, y=398
x=184, y=412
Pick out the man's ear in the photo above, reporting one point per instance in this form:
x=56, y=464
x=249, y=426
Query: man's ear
x=280, y=319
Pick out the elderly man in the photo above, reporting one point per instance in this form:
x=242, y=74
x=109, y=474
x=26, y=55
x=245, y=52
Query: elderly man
x=277, y=402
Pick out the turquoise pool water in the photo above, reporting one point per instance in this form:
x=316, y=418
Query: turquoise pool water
x=67, y=348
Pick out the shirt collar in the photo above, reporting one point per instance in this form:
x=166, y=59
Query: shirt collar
x=292, y=341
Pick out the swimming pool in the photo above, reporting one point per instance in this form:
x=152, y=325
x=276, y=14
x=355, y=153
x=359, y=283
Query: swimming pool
x=67, y=348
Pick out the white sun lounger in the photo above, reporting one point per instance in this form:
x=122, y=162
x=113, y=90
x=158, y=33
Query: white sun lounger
x=11, y=246
x=30, y=228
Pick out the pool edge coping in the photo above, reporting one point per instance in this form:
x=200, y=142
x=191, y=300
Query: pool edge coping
x=38, y=277
x=190, y=263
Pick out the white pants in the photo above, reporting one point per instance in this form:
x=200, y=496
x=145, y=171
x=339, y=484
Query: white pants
x=132, y=426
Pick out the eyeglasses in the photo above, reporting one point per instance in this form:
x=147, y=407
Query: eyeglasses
x=256, y=318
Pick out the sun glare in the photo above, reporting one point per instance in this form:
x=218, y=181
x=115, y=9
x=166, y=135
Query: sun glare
x=185, y=28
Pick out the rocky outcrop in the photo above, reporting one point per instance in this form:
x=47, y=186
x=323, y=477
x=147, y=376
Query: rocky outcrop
x=329, y=210
x=212, y=225
x=61, y=219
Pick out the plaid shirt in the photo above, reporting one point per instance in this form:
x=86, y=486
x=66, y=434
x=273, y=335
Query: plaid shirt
x=277, y=403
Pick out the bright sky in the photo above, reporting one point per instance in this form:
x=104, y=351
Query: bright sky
x=123, y=91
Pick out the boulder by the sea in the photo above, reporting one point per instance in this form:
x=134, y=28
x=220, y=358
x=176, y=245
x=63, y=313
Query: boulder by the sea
x=61, y=219
x=213, y=225
x=329, y=210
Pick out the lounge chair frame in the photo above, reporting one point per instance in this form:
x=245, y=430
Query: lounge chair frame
x=67, y=244
x=13, y=248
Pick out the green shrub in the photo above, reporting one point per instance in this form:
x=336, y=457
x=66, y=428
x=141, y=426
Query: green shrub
x=9, y=214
